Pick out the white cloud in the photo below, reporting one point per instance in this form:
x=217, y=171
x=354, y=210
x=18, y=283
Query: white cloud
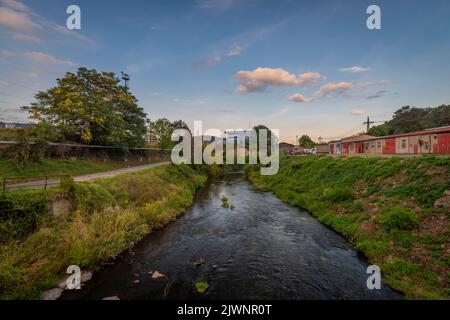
x=358, y=112
x=298, y=97
x=385, y=82
x=260, y=78
x=235, y=51
x=331, y=87
x=354, y=69
x=3, y=84
x=46, y=58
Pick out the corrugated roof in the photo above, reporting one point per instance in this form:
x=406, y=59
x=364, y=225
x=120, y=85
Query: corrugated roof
x=415, y=133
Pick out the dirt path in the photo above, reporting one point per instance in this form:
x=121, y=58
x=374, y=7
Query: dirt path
x=86, y=177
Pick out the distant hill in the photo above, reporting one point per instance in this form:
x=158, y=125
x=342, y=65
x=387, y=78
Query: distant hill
x=409, y=119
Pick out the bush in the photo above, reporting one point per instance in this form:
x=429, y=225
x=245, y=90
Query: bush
x=338, y=194
x=21, y=213
x=398, y=218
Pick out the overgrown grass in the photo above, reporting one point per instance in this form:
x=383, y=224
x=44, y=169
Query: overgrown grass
x=384, y=206
x=107, y=217
x=8, y=167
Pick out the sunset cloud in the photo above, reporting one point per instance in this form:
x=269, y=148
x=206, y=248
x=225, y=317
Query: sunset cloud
x=25, y=25
x=298, y=97
x=26, y=37
x=17, y=21
x=46, y=58
x=216, y=58
x=358, y=112
x=332, y=87
x=376, y=95
x=260, y=78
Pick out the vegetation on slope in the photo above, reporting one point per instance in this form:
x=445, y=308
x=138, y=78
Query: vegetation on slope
x=106, y=217
x=8, y=167
x=409, y=119
x=384, y=206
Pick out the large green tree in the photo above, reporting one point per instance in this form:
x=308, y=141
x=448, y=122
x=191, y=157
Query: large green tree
x=306, y=142
x=409, y=119
x=161, y=131
x=89, y=107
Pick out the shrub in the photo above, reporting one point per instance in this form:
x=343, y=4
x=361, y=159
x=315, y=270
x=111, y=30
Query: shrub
x=398, y=218
x=338, y=194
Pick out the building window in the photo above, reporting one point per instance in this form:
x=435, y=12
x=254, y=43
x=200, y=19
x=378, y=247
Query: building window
x=403, y=144
x=379, y=144
x=426, y=145
x=352, y=147
x=372, y=144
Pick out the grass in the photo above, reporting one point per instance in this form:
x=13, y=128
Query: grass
x=45, y=167
x=107, y=217
x=382, y=205
x=225, y=203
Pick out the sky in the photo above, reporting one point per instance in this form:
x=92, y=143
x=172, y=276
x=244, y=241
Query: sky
x=303, y=67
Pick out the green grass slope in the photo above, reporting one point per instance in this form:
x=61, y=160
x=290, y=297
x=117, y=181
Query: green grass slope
x=106, y=217
x=382, y=205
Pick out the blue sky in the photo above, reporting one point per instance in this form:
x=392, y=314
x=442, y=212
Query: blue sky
x=299, y=66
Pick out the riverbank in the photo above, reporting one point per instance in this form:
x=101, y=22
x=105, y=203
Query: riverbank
x=389, y=208
x=104, y=218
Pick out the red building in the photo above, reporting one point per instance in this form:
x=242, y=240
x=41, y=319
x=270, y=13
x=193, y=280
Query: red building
x=436, y=141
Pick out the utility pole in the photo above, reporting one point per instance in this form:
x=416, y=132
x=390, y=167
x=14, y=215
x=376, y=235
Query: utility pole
x=368, y=123
x=126, y=78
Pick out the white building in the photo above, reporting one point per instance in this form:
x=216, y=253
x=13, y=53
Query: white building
x=237, y=135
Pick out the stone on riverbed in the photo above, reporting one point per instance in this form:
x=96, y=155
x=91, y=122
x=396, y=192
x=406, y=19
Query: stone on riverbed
x=52, y=294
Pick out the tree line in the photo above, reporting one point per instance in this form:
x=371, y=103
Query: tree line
x=409, y=119
x=93, y=108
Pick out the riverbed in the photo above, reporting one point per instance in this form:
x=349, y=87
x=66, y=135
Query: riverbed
x=257, y=248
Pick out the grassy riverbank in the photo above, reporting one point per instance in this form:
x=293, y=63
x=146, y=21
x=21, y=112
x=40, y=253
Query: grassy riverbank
x=382, y=205
x=8, y=167
x=106, y=218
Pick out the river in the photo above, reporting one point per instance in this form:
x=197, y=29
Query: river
x=263, y=248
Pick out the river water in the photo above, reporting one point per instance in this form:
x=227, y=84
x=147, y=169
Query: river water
x=260, y=249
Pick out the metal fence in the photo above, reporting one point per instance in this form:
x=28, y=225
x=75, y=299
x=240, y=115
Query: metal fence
x=10, y=183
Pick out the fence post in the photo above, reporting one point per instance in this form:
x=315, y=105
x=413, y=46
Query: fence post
x=45, y=187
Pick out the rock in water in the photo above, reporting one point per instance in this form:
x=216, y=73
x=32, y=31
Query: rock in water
x=157, y=275
x=52, y=294
x=111, y=298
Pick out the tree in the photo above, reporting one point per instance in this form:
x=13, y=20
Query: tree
x=409, y=119
x=89, y=107
x=161, y=131
x=381, y=130
x=306, y=142
x=269, y=136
